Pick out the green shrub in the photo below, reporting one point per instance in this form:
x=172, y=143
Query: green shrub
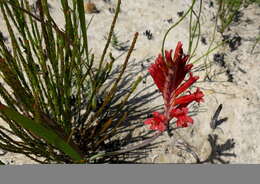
x=55, y=96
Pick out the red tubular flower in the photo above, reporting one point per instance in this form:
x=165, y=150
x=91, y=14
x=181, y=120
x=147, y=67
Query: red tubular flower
x=157, y=122
x=187, y=99
x=186, y=84
x=181, y=115
x=168, y=74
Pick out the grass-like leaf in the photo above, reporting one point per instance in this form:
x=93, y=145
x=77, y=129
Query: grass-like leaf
x=40, y=130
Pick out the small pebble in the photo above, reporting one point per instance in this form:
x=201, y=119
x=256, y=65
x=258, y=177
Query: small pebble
x=170, y=20
x=180, y=14
x=203, y=40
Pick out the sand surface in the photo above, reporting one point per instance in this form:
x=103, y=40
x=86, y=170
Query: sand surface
x=236, y=85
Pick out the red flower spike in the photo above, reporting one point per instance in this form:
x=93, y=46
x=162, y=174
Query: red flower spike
x=168, y=74
x=157, y=122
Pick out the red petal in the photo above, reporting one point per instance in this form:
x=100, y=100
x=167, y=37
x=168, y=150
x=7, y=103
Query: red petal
x=179, y=111
x=199, y=95
x=182, y=118
x=186, y=99
x=157, y=122
x=186, y=85
x=148, y=121
x=168, y=57
x=158, y=72
x=178, y=51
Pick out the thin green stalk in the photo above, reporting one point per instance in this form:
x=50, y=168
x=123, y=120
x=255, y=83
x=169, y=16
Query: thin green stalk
x=110, y=34
x=174, y=25
x=212, y=41
x=194, y=32
x=208, y=52
x=111, y=93
x=81, y=12
x=119, y=109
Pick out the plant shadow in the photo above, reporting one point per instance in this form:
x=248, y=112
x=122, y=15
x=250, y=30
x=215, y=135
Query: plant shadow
x=138, y=109
x=219, y=151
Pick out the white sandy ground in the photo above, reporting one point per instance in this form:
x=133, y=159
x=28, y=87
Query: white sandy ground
x=240, y=99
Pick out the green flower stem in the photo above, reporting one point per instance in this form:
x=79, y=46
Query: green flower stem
x=174, y=25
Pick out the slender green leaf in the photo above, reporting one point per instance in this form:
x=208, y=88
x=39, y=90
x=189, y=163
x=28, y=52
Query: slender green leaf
x=38, y=129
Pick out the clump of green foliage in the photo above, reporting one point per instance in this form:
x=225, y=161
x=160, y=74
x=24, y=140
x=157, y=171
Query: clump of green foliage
x=56, y=97
x=228, y=11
